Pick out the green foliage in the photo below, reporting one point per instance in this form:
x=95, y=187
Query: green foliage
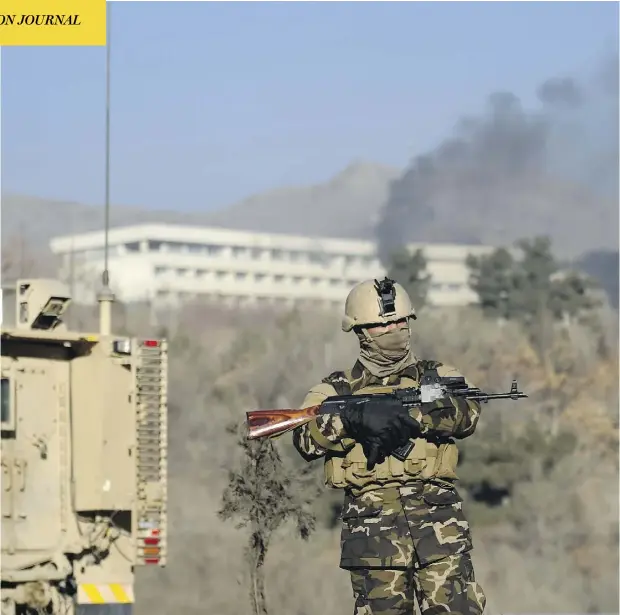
x=410, y=271
x=529, y=287
x=572, y=296
x=602, y=265
x=493, y=464
x=491, y=278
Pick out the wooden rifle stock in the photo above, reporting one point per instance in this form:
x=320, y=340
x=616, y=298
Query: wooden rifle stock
x=272, y=423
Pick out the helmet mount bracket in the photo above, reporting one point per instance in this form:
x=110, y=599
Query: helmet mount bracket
x=387, y=297
x=374, y=303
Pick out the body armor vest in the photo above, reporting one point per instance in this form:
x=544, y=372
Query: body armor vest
x=430, y=458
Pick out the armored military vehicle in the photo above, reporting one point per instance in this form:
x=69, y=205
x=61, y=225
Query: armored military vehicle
x=83, y=458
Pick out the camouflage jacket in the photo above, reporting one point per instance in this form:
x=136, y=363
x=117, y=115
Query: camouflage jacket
x=449, y=418
x=396, y=526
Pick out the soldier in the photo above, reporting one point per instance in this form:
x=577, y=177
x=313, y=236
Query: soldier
x=404, y=535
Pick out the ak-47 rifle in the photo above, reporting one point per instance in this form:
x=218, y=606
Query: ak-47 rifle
x=273, y=423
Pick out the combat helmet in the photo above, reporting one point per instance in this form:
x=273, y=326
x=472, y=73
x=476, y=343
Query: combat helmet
x=372, y=302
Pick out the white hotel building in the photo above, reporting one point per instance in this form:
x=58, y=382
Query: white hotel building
x=167, y=264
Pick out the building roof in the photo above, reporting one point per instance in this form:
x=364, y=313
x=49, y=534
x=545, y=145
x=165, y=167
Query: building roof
x=220, y=236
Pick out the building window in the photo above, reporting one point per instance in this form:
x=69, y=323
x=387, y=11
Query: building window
x=334, y=282
x=277, y=255
x=195, y=248
x=349, y=260
x=259, y=277
x=278, y=278
x=240, y=275
x=315, y=281
x=181, y=272
x=297, y=280
x=256, y=253
x=220, y=275
x=134, y=246
x=154, y=246
x=161, y=270
x=238, y=251
x=175, y=246
x=201, y=273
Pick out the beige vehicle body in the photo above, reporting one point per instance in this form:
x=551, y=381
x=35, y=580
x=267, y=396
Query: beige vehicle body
x=84, y=437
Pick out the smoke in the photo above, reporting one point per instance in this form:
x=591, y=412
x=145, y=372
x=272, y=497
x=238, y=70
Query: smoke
x=514, y=172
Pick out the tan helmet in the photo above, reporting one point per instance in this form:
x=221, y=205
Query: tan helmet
x=373, y=302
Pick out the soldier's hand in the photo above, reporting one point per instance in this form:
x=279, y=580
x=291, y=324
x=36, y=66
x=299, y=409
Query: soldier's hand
x=373, y=453
x=376, y=449
x=387, y=416
x=384, y=418
x=380, y=425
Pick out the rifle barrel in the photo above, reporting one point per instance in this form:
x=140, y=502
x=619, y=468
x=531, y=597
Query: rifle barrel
x=487, y=397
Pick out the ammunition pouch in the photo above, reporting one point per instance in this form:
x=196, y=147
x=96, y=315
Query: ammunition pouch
x=427, y=460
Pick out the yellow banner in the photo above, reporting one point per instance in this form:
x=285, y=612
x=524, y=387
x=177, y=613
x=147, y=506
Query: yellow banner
x=31, y=23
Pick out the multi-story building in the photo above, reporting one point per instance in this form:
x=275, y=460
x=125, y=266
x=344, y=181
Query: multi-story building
x=165, y=264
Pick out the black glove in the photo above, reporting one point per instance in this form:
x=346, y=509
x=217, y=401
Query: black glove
x=380, y=425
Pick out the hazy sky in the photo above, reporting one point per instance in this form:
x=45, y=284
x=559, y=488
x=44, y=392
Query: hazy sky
x=212, y=102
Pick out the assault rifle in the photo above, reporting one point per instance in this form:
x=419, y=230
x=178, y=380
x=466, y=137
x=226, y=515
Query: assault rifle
x=273, y=423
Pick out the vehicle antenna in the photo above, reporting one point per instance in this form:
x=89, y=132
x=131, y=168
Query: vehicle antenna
x=106, y=297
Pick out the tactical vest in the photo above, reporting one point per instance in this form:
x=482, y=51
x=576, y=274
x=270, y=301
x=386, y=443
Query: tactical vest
x=430, y=458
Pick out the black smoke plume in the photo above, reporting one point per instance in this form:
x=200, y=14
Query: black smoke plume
x=514, y=172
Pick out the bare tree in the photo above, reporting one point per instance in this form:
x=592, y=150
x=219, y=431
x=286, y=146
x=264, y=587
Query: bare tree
x=263, y=495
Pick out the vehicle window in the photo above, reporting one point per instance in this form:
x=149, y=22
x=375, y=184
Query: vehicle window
x=6, y=400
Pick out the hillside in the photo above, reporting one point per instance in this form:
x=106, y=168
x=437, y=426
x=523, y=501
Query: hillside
x=552, y=463
x=345, y=206
x=350, y=205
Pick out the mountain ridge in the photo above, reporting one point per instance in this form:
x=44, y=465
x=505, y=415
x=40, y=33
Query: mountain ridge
x=351, y=201
x=348, y=205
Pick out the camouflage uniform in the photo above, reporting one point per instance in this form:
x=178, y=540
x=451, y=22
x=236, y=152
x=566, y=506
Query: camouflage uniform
x=404, y=534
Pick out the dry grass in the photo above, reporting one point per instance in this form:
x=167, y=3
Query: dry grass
x=555, y=548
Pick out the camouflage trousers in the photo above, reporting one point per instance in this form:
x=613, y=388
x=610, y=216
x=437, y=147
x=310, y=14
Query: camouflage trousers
x=408, y=543
x=445, y=586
